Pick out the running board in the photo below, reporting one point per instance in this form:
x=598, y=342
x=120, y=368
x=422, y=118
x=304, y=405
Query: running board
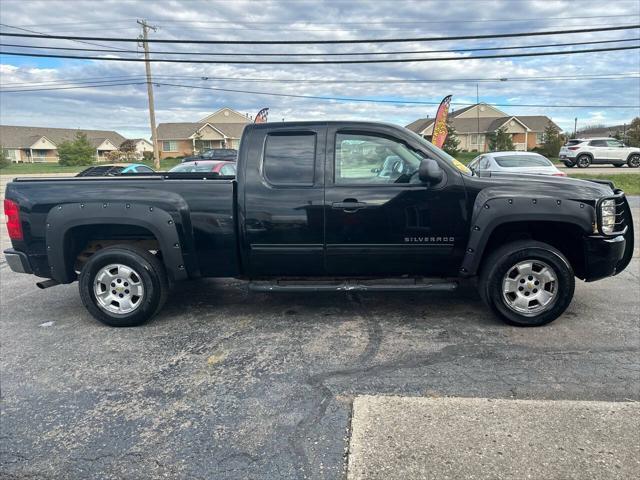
x=382, y=285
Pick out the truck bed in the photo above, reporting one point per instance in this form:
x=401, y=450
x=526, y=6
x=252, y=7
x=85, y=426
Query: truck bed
x=201, y=206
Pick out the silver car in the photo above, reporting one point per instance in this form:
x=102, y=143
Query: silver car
x=514, y=162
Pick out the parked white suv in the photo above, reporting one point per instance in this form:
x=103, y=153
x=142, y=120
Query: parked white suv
x=584, y=152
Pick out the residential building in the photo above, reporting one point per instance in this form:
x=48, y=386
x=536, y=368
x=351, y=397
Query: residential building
x=221, y=129
x=475, y=123
x=40, y=144
x=603, y=131
x=142, y=145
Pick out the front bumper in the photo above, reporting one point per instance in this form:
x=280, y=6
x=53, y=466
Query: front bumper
x=18, y=261
x=603, y=255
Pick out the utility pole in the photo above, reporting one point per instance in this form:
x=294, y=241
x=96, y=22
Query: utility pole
x=478, y=117
x=152, y=112
x=575, y=127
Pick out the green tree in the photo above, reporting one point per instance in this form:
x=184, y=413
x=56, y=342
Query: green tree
x=452, y=142
x=500, y=141
x=633, y=133
x=4, y=158
x=552, y=141
x=77, y=152
x=128, y=149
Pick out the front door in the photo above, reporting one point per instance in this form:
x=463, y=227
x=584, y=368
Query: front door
x=380, y=220
x=616, y=150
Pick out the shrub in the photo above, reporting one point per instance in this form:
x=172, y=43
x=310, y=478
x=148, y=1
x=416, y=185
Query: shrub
x=77, y=152
x=147, y=156
x=4, y=158
x=452, y=142
x=500, y=141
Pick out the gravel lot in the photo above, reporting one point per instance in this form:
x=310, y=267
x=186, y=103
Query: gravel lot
x=228, y=384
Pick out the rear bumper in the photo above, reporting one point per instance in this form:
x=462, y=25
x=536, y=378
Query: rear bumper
x=603, y=255
x=18, y=261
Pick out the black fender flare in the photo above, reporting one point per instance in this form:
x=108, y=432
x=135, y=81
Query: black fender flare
x=492, y=210
x=62, y=218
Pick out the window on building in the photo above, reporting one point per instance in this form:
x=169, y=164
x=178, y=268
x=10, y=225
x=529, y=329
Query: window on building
x=477, y=139
x=169, y=146
x=539, y=138
x=289, y=158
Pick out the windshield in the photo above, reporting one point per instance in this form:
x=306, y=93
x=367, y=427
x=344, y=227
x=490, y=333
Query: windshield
x=509, y=161
x=194, y=167
x=441, y=153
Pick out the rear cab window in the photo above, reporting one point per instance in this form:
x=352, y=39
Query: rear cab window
x=289, y=158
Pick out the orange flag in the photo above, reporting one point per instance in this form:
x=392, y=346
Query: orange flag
x=440, y=124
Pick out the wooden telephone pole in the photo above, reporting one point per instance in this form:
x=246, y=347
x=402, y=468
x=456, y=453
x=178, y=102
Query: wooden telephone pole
x=152, y=112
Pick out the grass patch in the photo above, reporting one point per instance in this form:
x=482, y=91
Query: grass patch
x=629, y=182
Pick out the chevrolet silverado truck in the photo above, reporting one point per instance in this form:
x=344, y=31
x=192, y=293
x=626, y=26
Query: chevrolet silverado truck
x=324, y=206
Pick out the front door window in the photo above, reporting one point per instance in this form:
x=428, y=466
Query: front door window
x=371, y=159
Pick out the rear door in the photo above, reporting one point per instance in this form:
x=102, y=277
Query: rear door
x=376, y=222
x=282, y=219
x=600, y=149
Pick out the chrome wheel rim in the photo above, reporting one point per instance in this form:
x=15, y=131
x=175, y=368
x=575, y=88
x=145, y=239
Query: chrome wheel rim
x=583, y=161
x=530, y=287
x=118, y=289
x=635, y=161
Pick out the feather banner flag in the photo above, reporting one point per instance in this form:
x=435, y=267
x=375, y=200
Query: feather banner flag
x=261, y=116
x=440, y=124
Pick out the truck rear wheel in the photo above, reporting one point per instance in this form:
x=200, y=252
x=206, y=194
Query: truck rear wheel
x=527, y=283
x=123, y=286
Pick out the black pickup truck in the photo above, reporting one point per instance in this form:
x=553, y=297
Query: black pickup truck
x=322, y=206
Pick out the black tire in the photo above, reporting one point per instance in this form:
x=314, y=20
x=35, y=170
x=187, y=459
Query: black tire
x=634, y=160
x=569, y=164
x=501, y=261
x=152, y=276
x=583, y=161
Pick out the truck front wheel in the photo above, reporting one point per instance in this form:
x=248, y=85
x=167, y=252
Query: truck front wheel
x=527, y=283
x=123, y=286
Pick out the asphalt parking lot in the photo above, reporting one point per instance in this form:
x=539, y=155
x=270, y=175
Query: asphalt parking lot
x=230, y=384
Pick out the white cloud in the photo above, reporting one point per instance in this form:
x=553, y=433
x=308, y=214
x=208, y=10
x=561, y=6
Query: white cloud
x=125, y=108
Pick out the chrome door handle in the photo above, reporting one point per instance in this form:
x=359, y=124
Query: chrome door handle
x=349, y=206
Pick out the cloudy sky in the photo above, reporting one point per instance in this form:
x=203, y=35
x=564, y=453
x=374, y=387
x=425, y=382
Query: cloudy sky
x=393, y=85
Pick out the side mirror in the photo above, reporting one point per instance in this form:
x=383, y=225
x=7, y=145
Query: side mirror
x=430, y=172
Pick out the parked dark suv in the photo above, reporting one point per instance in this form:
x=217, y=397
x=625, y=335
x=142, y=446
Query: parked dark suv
x=228, y=154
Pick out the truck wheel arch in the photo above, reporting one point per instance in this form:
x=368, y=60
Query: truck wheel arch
x=62, y=219
x=495, y=213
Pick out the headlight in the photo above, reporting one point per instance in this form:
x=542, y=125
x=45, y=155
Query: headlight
x=608, y=215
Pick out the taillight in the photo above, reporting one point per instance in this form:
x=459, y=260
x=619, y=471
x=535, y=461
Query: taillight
x=559, y=174
x=573, y=148
x=14, y=227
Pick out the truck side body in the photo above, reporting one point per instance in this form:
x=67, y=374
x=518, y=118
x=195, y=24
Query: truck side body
x=296, y=210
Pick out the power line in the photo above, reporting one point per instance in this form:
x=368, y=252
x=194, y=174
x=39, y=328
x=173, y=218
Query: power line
x=40, y=33
x=72, y=88
x=392, y=22
x=108, y=79
x=320, y=62
x=330, y=98
x=340, y=54
x=319, y=42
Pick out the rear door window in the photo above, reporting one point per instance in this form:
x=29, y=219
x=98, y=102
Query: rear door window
x=289, y=158
x=598, y=143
